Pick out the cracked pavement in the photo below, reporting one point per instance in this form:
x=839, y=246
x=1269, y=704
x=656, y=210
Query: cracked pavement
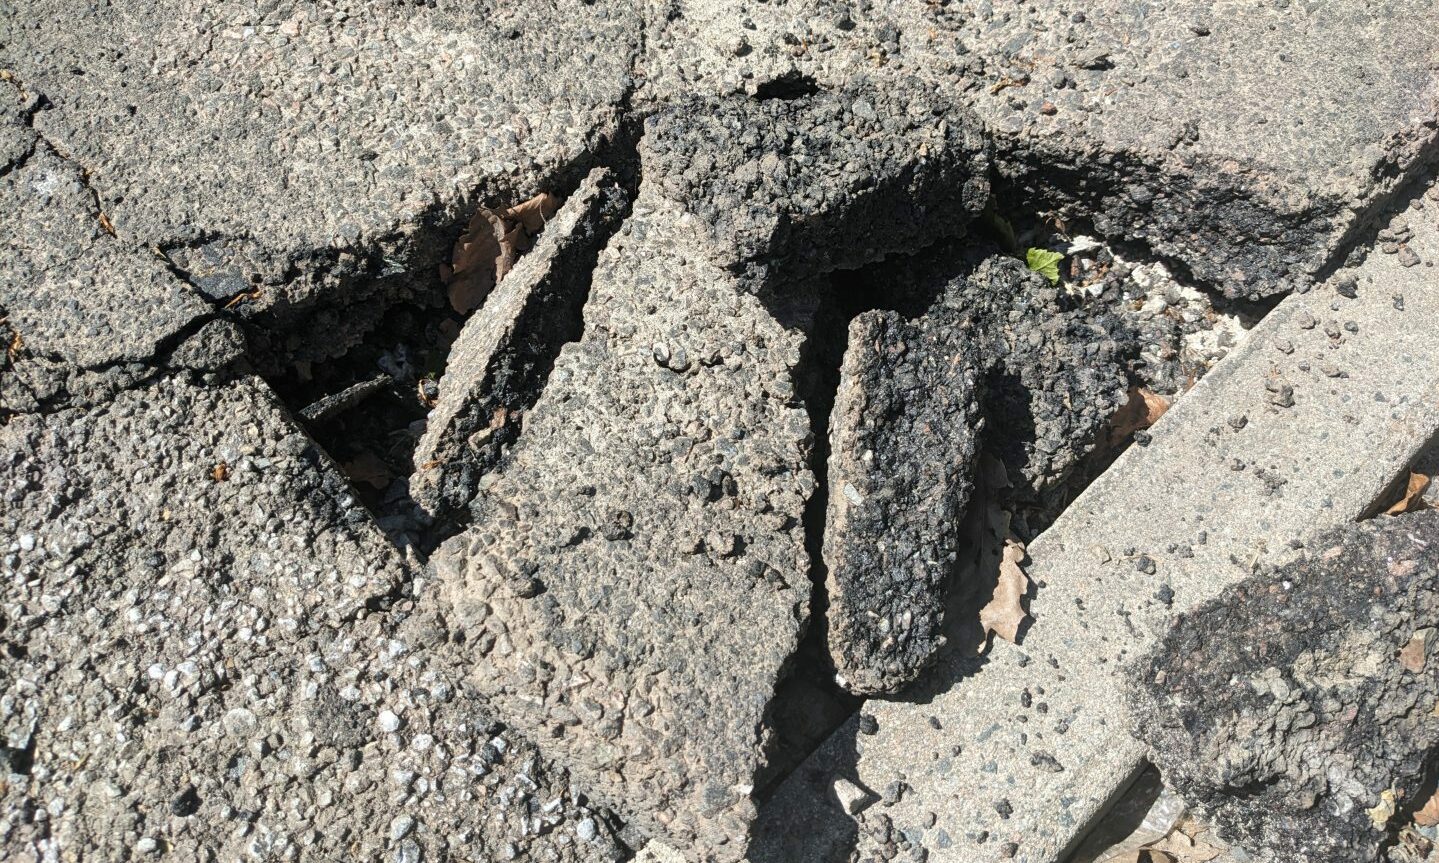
x=214, y=648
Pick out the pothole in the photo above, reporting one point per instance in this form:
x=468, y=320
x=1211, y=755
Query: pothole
x=1042, y=443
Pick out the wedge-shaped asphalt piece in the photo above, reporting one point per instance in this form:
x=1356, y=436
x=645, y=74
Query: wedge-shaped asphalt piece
x=902, y=442
x=191, y=668
x=826, y=180
x=992, y=342
x=314, y=152
x=1195, y=128
x=1297, y=711
x=636, y=578
x=1301, y=428
x=497, y=366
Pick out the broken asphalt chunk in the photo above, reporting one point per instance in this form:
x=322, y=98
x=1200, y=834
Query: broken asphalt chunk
x=827, y=180
x=635, y=579
x=498, y=364
x=903, y=438
x=1296, y=711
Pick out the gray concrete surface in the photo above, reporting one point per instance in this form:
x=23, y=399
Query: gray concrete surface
x=309, y=165
x=1180, y=125
x=196, y=663
x=310, y=149
x=1010, y=755
x=634, y=581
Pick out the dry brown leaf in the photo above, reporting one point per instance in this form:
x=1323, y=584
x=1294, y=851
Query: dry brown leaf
x=107, y=224
x=1413, y=499
x=472, y=263
x=535, y=212
x=370, y=469
x=1145, y=855
x=1142, y=410
x=1004, y=613
x=1414, y=654
x=1428, y=814
x=489, y=247
x=220, y=472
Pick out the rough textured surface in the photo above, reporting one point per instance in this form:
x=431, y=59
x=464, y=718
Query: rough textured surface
x=902, y=440
x=319, y=150
x=1187, y=127
x=308, y=165
x=1301, y=428
x=969, y=337
x=819, y=180
x=636, y=579
x=497, y=366
x=191, y=668
x=1055, y=367
x=1175, y=124
x=84, y=314
x=1286, y=709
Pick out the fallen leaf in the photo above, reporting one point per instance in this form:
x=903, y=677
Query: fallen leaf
x=220, y=472
x=1004, y=613
x=1142, y=410
x=472, y=263
x=370, y=469
x=243, y=296
x=535, y=212
x=1044, y=262
x=107, y=224
x=1413, y=499
x=1144, y=855
x=1428, y=814
x=491, y=244
x=1414, y=654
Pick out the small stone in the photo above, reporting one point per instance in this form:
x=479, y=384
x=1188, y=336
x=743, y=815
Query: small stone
x=1004, y=808
x=868, y=724
x=400, y=827
x=1046, y=762
x=587, y=830
x=1347, y=286
x=852, y=799
x=1238, y=421
x=239, y=721
x=1145, y=564
x=1408, y=257
x=389, y=722
x=893, y=792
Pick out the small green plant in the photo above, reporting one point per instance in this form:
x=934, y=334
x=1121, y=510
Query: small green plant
x=1044, y=262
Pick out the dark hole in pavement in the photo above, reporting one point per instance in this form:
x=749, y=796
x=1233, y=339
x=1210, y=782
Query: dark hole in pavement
x=786, y=87
x=367, y=409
